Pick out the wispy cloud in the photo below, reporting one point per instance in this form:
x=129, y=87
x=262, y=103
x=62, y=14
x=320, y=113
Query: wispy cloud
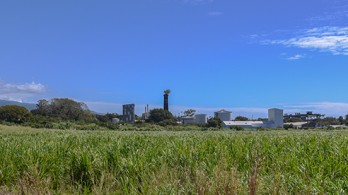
x=295, y=57
x=325, y=39
x=18, y=92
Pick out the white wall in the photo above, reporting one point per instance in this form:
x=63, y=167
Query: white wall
x=275, y=117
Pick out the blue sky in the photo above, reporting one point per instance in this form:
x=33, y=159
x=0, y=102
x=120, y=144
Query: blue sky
x=245, y=56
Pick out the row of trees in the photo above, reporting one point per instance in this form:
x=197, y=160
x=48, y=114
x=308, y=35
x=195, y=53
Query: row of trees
x=63, y=110
x=55, y=113
x=66, y=111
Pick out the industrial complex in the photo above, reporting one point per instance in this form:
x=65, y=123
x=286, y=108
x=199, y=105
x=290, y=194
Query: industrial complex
x=275, y=117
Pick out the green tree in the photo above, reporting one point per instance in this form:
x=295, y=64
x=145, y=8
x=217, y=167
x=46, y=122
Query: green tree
x=241, y=118
x=14, y=114
x=341, y=120
x=65, y=109
x=214, y=122
x=293, y=120
x=189, y=112
x=158, y=115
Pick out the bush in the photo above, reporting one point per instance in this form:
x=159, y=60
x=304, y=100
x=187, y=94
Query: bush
x=91, y=126
x=168, y=122
x=113, y=126
x=290, y=126
x=330, y=128
x=237, y=128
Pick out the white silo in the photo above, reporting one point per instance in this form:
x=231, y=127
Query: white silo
x=223, y=115
x=201, y=119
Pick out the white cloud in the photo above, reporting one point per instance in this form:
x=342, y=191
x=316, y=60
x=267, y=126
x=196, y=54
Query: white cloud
x=325, y=39
x=18, y=92
x=295, y=57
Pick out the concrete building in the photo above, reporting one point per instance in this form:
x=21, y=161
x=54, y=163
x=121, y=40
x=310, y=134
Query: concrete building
x=196, y=119
x=186, y=120
x=201, y=118
x=129, y=113
x=223, y=115
x=275, y=118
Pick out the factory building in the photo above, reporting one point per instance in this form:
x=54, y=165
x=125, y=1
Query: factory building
x=146, y=114
x=129, y=113
x=196, y=119
x=275, y=120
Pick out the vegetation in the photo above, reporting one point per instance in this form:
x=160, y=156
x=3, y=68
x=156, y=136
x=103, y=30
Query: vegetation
x=14, y=114
x=65, y=109
x=64, y=113
x=159, y=115
x=241, y=118
x=189, y=112
x=214, y=122
x=221, y=162
x=237, y=128
x=167, y=91
x=293, y=120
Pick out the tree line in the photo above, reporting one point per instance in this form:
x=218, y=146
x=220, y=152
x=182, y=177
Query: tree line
x=64, y=113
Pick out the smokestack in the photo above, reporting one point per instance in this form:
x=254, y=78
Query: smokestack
x=165, y=106
x=166, y=94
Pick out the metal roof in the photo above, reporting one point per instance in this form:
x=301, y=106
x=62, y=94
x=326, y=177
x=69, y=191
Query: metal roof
x=242, y=123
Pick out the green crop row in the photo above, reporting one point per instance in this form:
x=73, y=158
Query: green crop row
x=223, y=162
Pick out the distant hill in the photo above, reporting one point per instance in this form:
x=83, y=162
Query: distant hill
x=26, y=105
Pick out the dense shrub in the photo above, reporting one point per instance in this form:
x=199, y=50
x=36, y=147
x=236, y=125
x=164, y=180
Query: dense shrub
x=237, y=128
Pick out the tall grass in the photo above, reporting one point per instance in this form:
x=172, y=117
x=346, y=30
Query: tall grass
x=102, y=162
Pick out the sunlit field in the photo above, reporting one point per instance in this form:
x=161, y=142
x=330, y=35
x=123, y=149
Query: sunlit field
x=166, y=162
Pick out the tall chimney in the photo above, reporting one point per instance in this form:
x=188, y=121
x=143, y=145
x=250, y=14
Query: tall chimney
x=165, y=106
